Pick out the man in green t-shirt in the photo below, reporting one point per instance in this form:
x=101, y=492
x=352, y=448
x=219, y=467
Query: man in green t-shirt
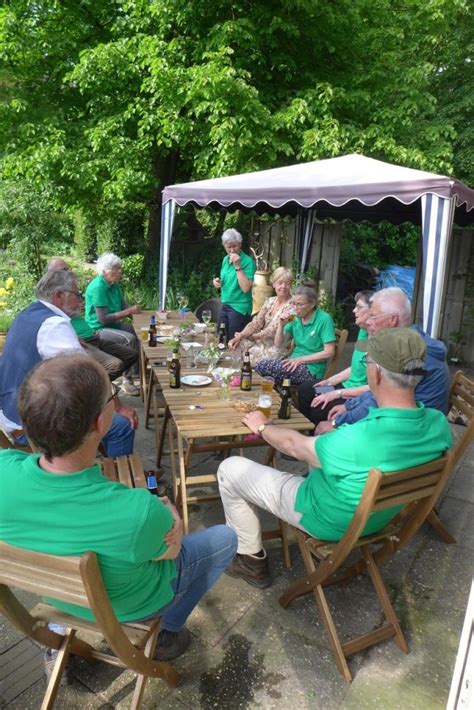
x=59, y=502
x=235, y=283
x=397, y=435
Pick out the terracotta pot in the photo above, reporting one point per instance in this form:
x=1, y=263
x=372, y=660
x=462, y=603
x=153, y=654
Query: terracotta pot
x=261, y=290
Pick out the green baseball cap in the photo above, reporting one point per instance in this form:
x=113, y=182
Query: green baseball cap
x=394, y=348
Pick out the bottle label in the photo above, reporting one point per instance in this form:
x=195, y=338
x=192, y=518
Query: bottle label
x=151, y=481
x=173, y=380
x=246, y=381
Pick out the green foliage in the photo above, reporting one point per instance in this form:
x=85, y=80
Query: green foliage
x=85, y=237
x=378, y=246
x=326, y=303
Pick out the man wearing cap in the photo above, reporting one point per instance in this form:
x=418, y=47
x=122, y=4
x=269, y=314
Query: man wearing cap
x=391, y=308
x=398, y=434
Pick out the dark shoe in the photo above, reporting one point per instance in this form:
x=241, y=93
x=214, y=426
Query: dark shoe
x=50, y=657
x=254, y=570
x=172, y=644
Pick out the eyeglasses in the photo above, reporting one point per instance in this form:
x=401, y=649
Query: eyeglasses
x=115, y=390
x=382, y=315
x=300, y=305
x=359, y=307
x=77, y=294
x=365, y=361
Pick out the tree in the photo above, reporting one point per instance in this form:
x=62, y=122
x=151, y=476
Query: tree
x=111, y=100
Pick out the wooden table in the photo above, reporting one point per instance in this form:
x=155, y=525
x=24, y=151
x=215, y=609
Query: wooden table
x=219, y=422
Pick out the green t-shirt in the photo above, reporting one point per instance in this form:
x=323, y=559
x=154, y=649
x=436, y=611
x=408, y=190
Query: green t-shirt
x=100, y=294
x=231, y=293
x=388, y=439
x=311, y=338
x=72, y=513
x=83, y=330
x=358, y=376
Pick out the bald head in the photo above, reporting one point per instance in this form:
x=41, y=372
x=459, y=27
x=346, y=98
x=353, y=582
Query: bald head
x=57, y=264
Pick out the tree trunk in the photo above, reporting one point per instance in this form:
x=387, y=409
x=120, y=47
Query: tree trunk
x=164, y=170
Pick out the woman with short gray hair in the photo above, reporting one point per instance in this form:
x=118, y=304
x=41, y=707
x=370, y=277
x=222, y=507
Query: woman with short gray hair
x=105, y=309
x=312, y=332
x=235, y=282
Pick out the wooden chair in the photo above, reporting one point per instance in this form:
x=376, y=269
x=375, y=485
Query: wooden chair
x=76, y=580
x=462, y=398
x=416, y=489
x=341, y=340
x=212, y=304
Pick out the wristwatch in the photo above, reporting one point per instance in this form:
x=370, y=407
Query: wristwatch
x=261, y=428
x=238, y=268
x=334, y=423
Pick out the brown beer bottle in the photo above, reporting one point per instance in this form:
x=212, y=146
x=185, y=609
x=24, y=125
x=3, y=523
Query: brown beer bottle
x=175, y=371
x=285, y=407
x=152, y=333
x=246, y=374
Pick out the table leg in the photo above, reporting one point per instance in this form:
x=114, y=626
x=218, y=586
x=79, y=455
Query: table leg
x=161, y=440
x=182, y=484
x=176, y=491
x=142, y=367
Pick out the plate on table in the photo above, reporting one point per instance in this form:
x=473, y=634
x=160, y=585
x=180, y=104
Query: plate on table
x=162, y=338
x=196, y=380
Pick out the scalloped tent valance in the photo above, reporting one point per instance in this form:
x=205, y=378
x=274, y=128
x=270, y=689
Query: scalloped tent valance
x=349, y=187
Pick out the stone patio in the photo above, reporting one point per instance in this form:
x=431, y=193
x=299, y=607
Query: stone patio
x=248, y=652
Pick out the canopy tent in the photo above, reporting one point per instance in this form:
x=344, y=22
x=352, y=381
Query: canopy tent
x=349, y=187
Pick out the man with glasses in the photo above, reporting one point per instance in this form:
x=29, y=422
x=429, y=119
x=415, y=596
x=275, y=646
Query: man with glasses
x=148, y=567
x=391, y=308
x=398, y=434
x=39, y=332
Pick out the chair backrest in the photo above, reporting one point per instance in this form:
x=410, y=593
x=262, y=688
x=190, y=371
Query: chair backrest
x=462, y=398
x=212, y=304
x=418, y=487
x=341, y=340
x=75, y=580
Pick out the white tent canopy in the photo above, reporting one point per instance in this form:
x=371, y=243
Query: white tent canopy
x=349, y=187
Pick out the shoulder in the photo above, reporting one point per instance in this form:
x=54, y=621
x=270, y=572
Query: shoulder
x=247, y=261
x=12, y=457
x=324, y=318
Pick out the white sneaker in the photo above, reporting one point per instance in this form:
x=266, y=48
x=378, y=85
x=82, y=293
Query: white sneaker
x=129, y=388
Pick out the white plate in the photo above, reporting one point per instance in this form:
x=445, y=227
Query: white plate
x=162, y=338
x=196, y=380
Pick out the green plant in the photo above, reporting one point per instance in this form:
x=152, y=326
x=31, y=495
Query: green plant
x=5, y=323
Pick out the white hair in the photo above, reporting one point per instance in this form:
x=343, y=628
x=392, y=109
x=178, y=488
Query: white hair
x=394, y=300
x=405, y=381
x=106, y=262
x=231, y=236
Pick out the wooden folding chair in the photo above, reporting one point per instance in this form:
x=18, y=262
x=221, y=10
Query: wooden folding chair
x=77, y=580
x=341, y=340
x=416, y=489
x=462, y=398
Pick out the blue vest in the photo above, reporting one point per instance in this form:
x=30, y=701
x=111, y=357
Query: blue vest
x=20, y=355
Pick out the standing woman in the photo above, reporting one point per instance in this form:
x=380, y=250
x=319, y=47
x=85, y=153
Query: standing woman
x=106, y=308
x=235, y=281
x=312, y=332
x=348, y=383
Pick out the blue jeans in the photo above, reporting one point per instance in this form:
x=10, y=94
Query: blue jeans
x=120, y=438
x=203, y=557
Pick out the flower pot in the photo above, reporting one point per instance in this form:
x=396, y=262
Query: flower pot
x=261, y=290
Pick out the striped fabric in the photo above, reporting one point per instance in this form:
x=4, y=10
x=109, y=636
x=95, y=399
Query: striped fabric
x=167, y=216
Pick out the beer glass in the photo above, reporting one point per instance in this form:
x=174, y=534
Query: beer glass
x=265, y=403
x=267, y=385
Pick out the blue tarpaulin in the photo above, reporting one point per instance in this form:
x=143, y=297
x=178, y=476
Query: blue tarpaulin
x=401, y=276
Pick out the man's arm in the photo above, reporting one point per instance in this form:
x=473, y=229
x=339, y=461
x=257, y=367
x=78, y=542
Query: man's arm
x=356, y=409
x=285, y=440
x=56, y=335
x=174, y=535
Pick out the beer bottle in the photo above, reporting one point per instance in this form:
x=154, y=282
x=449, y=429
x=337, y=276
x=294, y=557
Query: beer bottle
x=246, y=374
x=285, y=406
x=175, y=371
x=151, y=483
x=222, y=334
x=152, y=333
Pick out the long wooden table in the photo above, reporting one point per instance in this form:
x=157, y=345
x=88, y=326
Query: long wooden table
x=217, y=426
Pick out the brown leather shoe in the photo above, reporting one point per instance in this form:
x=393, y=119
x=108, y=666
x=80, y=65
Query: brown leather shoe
x=254, y=570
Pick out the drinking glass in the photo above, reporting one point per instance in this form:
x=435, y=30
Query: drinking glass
x=144, y=333
x=267, y=385
x=265, y=403
x=206, y=316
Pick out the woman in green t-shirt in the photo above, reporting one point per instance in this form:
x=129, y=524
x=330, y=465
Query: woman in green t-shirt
x=352, y=381
x=312, y=332
x=106, y=308
x=235, y=283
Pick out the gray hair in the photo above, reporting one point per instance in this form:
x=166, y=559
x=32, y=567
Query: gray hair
x=308, y=291
x=405, y=382
x=231, y=236
x=281, y=272
x=106, y=262
x=394, y=300
x=52, y=281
